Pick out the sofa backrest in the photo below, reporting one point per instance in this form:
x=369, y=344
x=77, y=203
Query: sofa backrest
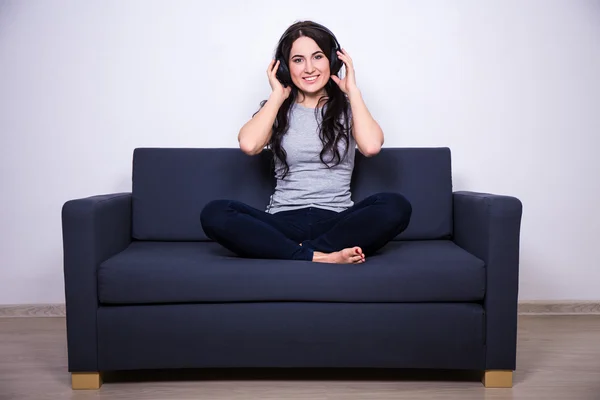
x=171, y=186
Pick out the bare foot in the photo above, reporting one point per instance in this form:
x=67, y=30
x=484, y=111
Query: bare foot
x=351, y=255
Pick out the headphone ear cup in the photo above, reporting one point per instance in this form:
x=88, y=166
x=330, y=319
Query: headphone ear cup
x=283, y=73
x=336, y=63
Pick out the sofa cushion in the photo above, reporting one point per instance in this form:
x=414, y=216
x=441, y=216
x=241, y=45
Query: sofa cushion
x=171, y=186
x=422, y=175
x=179, y=272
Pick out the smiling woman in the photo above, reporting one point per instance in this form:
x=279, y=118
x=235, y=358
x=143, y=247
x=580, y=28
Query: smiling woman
x=312, y=122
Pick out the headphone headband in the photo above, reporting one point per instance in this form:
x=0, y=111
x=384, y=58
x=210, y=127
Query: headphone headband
x=315, y=26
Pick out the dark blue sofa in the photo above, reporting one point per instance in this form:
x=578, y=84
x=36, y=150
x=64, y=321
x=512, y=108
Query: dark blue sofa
x=146, y=289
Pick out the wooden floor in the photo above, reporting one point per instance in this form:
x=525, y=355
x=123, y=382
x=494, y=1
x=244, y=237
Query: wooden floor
x=558, y=358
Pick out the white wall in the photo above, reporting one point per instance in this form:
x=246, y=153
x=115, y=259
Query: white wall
x=513, y=87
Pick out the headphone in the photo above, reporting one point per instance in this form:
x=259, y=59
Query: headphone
x=283, y=72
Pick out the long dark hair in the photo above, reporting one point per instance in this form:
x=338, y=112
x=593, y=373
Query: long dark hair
x=332, y=106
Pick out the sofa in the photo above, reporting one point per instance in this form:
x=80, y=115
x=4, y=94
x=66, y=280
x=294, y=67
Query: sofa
x=147, y=290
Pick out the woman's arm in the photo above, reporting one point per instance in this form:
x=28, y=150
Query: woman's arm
x=256, y=133
x=366, y=131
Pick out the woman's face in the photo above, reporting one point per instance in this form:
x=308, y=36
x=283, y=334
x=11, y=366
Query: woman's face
x=309, y=67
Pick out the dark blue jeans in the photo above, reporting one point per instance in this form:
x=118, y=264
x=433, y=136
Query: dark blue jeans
x=249, y=232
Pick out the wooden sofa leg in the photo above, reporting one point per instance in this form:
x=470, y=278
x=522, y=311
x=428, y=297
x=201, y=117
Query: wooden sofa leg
x=497, y=379
x=86, y=380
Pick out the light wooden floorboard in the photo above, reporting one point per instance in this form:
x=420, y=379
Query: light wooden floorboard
x=558, y=358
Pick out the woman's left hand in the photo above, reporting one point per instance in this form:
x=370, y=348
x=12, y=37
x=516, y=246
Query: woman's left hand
x=348, y=84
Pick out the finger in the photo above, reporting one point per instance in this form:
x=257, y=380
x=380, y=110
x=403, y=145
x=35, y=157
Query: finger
x=345, y=58
x=270, y=69
x=347, y=63
x=349, y=67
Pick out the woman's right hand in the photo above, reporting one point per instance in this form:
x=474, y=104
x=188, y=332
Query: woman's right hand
x=278, y=90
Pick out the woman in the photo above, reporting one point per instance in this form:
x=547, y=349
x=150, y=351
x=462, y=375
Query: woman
x=312, y=122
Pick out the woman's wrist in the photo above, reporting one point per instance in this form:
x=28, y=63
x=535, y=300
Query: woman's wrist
x=276, y=98
x=354, y=93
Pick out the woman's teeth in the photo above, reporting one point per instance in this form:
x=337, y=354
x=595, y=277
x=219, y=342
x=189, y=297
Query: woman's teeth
x=311, y=79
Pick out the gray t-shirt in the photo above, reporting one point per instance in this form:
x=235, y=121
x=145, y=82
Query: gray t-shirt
x=309, y=182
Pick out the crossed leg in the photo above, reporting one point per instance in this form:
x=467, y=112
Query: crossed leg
x=365, y=227
x=253, y=233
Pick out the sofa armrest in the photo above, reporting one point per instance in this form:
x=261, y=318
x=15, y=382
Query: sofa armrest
x=488, y=226
x=94, y=229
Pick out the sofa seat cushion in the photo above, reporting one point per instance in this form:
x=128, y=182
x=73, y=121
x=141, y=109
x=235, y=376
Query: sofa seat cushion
x=185, y=272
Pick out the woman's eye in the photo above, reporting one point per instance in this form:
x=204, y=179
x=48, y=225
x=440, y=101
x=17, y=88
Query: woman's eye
x=297, y=59
x=318, y=57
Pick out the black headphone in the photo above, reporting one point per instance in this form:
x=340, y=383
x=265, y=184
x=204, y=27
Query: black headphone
x=283, y=72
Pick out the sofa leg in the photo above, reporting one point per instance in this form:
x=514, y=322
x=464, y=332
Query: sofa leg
x=86, y=380
x=497, y=378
